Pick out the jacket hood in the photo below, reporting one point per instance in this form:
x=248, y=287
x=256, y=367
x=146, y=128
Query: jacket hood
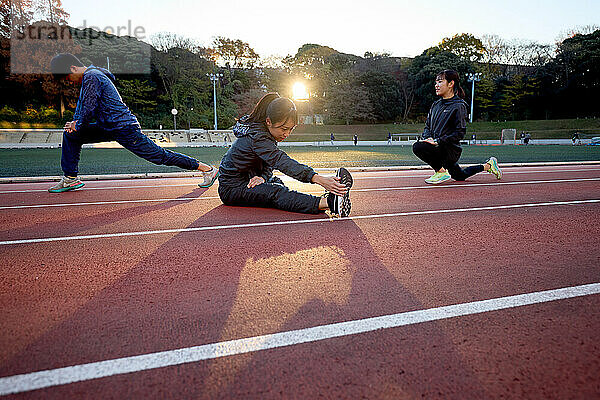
x=243, y=127
x=452, y=100
x=104, y=71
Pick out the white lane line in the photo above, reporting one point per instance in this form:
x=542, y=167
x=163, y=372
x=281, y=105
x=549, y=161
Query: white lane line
x=471, y=185
x=285, y=178
x=504, y=172
x=101, y=369
x=437, y=187
x=293, y=222
x=105, y=188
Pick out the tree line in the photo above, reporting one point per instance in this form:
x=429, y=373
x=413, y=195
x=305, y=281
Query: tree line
x=518, y=79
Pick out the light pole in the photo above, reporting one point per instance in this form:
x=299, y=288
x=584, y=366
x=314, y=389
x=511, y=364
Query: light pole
x=174, y=112
x=473, y=78
x=189, y=117
x=214, y=78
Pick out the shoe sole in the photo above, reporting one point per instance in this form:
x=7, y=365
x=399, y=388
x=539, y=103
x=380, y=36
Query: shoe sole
x=66, y=189
x=494, y=165
x=211, y=182
x=438, y=181
x=343, y=202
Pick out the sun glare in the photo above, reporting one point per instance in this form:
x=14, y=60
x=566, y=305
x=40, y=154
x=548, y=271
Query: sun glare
x=299, y=91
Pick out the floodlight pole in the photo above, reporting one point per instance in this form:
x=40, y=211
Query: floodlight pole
x=472, y=78
x=214, y=78
x=174, y=112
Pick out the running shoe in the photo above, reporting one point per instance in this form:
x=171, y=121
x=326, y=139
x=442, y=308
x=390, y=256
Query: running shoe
x=438, y=178
x=66, y=184
x=494, y=169
x=341, y=205
x=209, y=177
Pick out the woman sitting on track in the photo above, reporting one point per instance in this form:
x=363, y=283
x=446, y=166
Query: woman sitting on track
x=246, y=171
x=446, y=125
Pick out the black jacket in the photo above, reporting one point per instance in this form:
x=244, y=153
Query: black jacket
x=447, y=123
x=255, y=153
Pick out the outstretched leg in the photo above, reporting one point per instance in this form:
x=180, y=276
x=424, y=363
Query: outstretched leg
x=139, y=144
x=460, y=174
x=271, y=195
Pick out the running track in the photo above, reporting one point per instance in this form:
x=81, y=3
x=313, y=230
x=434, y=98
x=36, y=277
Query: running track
x=145, y=288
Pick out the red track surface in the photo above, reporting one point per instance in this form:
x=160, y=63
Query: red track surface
x=71, y=302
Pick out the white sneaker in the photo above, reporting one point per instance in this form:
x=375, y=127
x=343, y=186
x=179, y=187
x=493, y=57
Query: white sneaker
x=209, y=177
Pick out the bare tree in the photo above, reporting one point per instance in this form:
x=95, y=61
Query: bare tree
x=504, y=57
x=164, y=41
x=581, y=30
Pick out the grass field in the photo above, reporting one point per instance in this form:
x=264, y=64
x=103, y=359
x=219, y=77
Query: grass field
x=539, y=129
x=46, y=162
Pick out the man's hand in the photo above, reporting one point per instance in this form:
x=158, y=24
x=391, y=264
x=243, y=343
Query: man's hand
x=70, y=126
x=255, y=181
x=330, y=184
x=431, y=141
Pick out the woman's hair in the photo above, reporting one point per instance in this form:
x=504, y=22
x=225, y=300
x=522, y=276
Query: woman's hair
x=60, y=65
x=451, y=75
x=278, y=109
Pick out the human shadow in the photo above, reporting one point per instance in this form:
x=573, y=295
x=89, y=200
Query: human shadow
x=213, y=286
x=73, y=223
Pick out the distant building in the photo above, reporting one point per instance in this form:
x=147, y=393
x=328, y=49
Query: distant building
x=306, y=116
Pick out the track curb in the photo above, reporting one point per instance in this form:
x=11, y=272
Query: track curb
x=33, y=179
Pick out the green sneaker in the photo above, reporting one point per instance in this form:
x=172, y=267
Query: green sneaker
x=494, y=168
x=66, y=184
x=438, y=178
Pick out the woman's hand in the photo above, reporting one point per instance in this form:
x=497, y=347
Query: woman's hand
x=431, y=141
x=255, y=181
x=331, y=184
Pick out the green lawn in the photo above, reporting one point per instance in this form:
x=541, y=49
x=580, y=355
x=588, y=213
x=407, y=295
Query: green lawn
x=539, y=129
x=45, y=162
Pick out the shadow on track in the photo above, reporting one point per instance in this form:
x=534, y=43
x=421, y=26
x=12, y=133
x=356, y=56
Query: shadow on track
x=206, y=287
x=72, y=224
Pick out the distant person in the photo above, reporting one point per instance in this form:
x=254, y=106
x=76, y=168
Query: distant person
x=522, y=137
x=331, y=138
x=355, y=138
x=446, y=125
x=526, y=138
x=474, y=138
x=246, y=171
x=99, y=100
x=575, y=139
x=389, y=138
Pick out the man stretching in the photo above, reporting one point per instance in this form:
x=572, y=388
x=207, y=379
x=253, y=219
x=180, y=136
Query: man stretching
x=101, y=116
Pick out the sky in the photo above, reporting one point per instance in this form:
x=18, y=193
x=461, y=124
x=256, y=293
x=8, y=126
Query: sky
x=279, y=27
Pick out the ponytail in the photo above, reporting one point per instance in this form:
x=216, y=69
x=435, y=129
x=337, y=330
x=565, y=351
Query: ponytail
x=259, y=114
x=451, y=75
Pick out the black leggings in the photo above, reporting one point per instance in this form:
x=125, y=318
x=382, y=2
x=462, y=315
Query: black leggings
x=271, y=195
x=437, y=158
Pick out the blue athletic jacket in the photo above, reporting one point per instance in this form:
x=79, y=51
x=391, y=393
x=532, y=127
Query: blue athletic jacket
x=255, y=153
x=99, y=100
